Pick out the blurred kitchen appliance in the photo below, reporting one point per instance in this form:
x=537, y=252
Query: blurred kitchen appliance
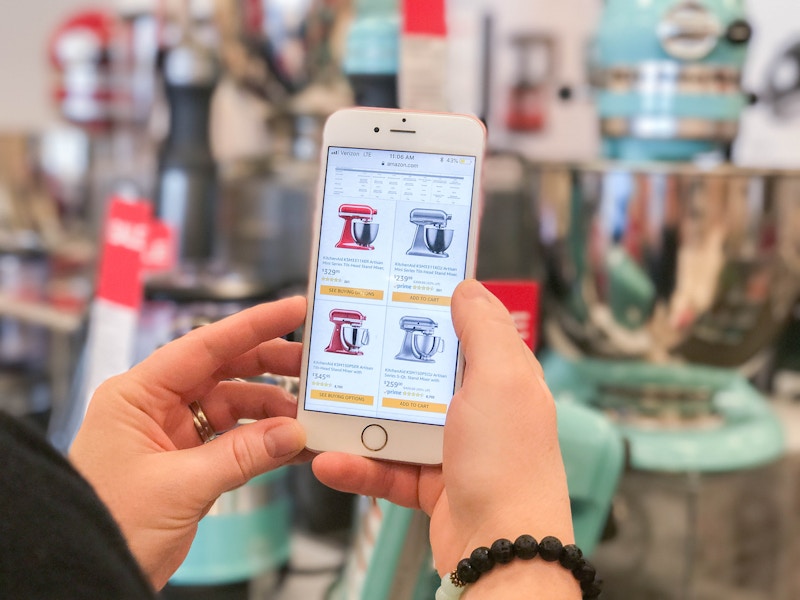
x=700, y=511
x=349, y=333
x=389, y=557
x=359, y=230
x=372, y=53
x=528, y=99
x=667, y=283
x=419, y=342
x=508, y=206
x=80, y=51
x=244, y=536
x=654, y=271
x=265, y=218
x=696, y=536
x=669, y=261
x=783, y=88
x=770, y=126
x=279, y=48
x=491, y=81
x=432, y=237
x=187, y=188
x=668, y=77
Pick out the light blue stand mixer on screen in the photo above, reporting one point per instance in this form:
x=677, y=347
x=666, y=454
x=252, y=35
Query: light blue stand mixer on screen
x=668, y=76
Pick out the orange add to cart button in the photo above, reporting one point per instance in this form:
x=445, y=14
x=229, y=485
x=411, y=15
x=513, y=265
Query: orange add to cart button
x=348, y=292
x=420, y=299
x=342, y=397
x=414, y=405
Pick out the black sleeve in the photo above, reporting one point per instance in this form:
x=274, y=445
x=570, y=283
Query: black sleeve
x=57, y=539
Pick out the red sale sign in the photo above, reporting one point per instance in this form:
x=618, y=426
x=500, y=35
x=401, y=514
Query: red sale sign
x=161, y=252
x=125, y=237
x=521, y=298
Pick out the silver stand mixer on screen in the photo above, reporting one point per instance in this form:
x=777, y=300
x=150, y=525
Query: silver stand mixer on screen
x=432, y=236
x=670, y=273
x=419, y=342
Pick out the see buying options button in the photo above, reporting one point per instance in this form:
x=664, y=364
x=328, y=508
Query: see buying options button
x=342, y=397
x=348, y=292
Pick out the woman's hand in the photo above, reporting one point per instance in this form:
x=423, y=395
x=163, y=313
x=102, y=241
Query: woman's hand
x=502, y=473
x=140, y=450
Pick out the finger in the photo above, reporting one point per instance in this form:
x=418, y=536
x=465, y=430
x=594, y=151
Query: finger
x=190, y=360
x=230, y=402
x=233, y=459
x=479, y=316
x=279, y=357
x=398, y=483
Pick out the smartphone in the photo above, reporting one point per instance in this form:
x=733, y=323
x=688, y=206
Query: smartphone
x=395, y=230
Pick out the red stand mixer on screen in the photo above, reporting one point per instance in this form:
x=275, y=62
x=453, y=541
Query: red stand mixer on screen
x=349, y=334
x=359, y=229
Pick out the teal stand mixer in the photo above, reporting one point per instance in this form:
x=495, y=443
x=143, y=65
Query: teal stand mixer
x=658, y=261
x=667, y=282
x=668, y=76
x=667, y=285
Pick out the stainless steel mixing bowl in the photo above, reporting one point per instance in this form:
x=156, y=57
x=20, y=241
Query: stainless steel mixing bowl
x=666, y=261
x=426, y=345
x=365, y=232
x=438, y=239
x=354, y=337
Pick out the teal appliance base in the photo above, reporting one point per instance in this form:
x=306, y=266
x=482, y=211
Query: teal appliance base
x=675, y=417
x=245, y=534
x=670, y=150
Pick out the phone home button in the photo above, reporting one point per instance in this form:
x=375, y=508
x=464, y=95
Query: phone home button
x=374, y=437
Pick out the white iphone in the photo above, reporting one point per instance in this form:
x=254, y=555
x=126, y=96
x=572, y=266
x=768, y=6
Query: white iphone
x=395, y=231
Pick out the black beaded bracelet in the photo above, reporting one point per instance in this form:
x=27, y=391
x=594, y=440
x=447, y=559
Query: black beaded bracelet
x=503, y=551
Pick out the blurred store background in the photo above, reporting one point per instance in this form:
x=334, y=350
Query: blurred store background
x=642, y=222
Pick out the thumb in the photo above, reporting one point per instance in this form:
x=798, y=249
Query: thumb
x=479, y=316
x=234, y=458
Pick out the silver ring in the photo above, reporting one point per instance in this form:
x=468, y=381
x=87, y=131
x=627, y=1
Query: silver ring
x=201, y=424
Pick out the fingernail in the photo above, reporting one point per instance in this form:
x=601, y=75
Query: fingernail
x=283, y=440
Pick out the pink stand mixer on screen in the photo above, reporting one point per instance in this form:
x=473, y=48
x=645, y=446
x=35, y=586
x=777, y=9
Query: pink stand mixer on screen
x=349, y=333
x=359, y=229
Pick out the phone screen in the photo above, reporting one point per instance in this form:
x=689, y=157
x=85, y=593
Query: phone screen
x=393, y=246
